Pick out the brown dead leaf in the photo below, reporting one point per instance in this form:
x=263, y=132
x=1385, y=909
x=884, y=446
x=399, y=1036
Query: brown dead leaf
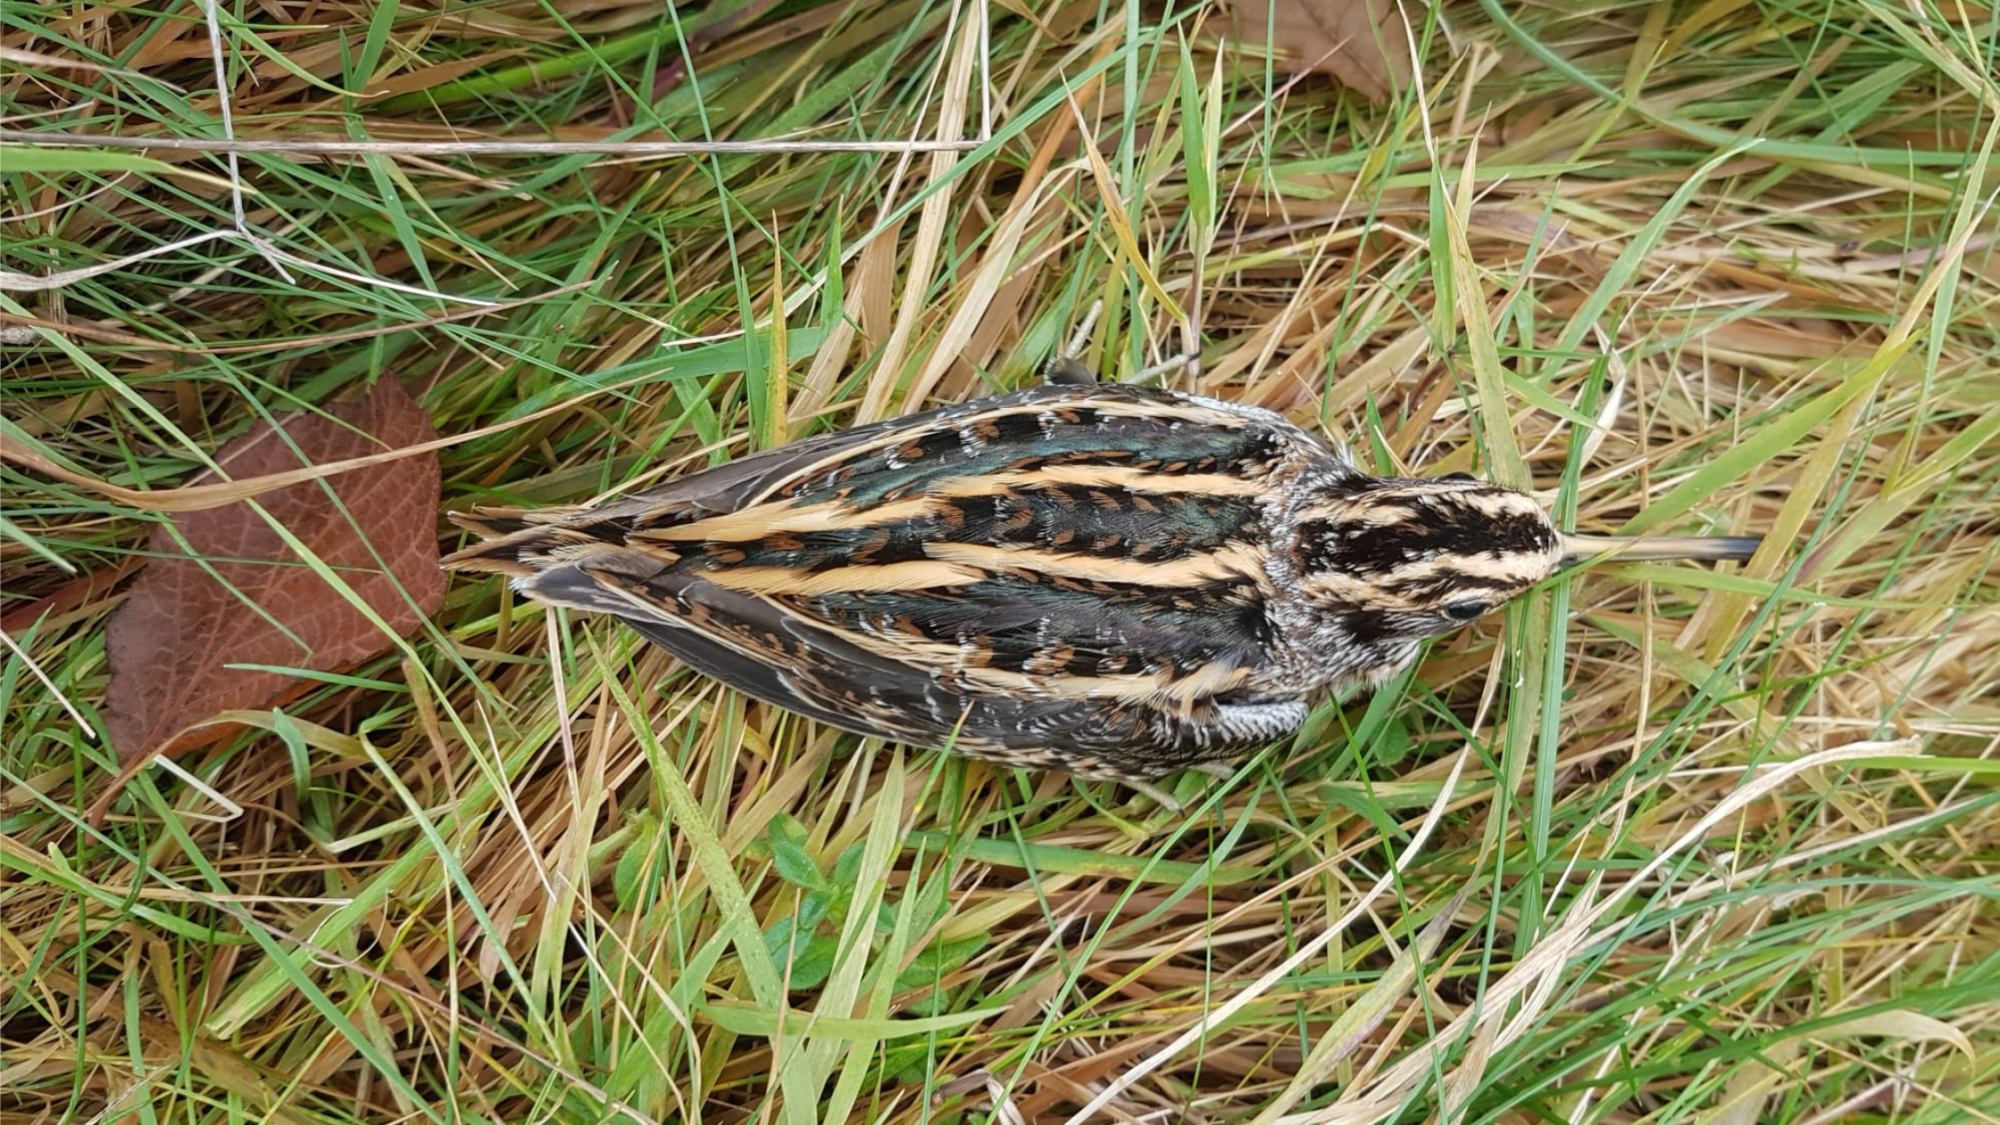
x=169, y=645
x=1363, y=43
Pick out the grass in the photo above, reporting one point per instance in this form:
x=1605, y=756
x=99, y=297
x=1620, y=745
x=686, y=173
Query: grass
x=1667, y=844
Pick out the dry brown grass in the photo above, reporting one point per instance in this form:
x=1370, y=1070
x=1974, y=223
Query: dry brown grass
x=1671, y=845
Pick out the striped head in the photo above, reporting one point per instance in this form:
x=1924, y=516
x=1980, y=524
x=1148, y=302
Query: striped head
x=1384, y=564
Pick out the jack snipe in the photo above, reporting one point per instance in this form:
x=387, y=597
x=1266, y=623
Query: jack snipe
x=1111, y=580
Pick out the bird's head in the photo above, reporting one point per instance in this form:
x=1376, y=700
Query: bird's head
x=1384, y=564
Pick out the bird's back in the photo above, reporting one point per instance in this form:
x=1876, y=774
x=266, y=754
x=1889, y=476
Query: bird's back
x=983, y=572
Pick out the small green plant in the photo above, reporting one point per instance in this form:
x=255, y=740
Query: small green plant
x=805, y=943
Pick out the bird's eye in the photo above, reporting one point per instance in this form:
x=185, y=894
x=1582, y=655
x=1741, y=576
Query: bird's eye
x=1465, y=611
x=1458, y=476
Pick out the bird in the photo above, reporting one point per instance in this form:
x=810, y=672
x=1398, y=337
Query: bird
x=1113, y=580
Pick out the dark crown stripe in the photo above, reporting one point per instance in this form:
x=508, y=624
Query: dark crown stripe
x=1380, y=546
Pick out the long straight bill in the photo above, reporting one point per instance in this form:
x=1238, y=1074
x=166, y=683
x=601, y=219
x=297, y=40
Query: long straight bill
x=1658, y=548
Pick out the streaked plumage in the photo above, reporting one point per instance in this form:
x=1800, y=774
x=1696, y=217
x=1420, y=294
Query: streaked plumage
x=1111, y=580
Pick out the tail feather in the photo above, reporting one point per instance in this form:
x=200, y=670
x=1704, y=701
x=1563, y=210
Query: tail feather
x=515, y=541
x=495, y=556
x=490, y=523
